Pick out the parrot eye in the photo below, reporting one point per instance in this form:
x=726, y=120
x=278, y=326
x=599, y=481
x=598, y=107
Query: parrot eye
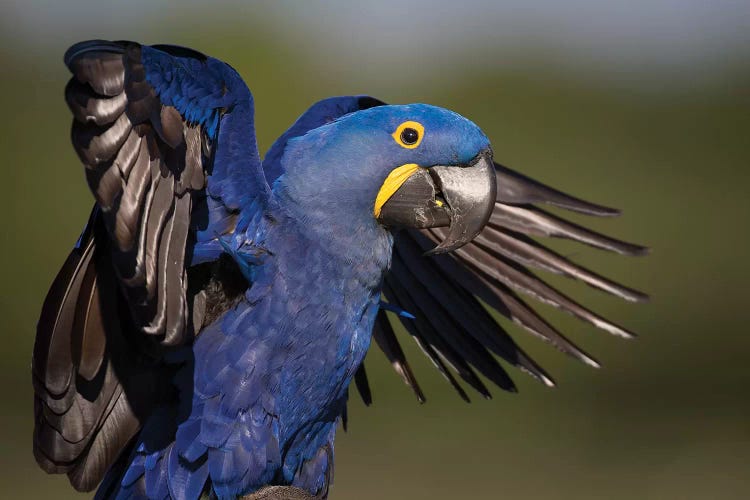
x=409, y=134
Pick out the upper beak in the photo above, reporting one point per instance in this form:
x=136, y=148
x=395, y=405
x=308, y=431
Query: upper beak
x=461, y=197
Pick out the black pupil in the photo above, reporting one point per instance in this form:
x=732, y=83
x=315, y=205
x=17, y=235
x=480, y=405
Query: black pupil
x=409, y=136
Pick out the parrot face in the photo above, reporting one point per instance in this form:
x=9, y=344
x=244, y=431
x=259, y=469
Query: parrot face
x=415, y=165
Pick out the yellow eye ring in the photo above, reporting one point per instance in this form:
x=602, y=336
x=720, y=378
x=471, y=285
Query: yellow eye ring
x=409, y=134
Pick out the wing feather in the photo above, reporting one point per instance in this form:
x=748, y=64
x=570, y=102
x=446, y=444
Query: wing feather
x=494, y=265
x=386, y=339
x=514, y=188
x=431, y=354
x=432, y=342
x=445, y=326
x=144, y=120
x=363, y=385
x=442, y=292
x=536, y=222
x=527, y=252
x=78, y=370
x=146, y=124
x=496, y=268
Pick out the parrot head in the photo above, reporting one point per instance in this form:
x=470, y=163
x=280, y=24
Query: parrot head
x=396, y=166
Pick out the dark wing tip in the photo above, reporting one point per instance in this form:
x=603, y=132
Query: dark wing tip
x=629, y=249
x=363, y=386
x=92, y=46
x=638, y=297
x=640, y=251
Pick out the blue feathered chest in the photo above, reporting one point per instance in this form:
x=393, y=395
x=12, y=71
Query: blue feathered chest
x=287, y=354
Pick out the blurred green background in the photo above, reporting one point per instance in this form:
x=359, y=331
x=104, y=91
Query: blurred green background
x=644, y=107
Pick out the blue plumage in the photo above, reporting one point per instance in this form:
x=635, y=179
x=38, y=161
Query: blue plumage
x=204, y=331
x=269, y=378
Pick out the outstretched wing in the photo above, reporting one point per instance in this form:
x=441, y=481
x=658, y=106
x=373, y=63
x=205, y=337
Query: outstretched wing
x=167, y=139
x=441, y=293
x=151, y=124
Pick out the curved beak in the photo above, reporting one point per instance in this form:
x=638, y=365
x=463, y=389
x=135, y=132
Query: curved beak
x=460, y=197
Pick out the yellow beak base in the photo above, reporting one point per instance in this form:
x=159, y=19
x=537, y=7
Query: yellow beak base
x=392, y=183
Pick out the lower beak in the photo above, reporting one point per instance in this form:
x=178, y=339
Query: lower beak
x=461, y=197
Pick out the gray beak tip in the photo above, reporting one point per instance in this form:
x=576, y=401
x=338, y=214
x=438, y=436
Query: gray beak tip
x=470, y=192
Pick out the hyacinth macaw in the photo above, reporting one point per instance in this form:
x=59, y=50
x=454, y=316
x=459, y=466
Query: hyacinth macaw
x=203, y=333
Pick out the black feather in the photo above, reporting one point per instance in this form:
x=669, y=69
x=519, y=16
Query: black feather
x=536, y=222
x=386, y=339
x=433, y=344
x=363, y=386
x=514, y=188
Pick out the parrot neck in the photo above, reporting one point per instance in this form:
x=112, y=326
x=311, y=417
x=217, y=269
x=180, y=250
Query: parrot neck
x=354, y=240
x=350, y=251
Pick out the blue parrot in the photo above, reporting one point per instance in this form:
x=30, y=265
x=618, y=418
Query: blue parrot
x=203, y=333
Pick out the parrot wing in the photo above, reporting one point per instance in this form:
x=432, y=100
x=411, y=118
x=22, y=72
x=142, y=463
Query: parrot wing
x=167, y=139
x=442, y=291
x=160, y=129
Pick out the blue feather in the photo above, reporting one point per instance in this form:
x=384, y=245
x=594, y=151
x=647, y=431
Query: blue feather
x=393, y=308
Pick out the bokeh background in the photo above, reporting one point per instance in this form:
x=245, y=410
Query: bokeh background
x=644, y=105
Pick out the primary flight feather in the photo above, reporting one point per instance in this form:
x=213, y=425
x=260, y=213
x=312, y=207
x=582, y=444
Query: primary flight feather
x=203, y=333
